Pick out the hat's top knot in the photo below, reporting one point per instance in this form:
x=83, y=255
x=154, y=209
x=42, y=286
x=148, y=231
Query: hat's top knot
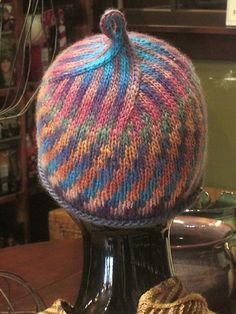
x=113, y=25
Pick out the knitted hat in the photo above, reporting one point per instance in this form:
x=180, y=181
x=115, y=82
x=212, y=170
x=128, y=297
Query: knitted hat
x=121, y=128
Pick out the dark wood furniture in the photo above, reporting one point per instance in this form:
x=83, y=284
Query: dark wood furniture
x=52, y=268
x=16, y=197
x=79, y=21
x=198, y=28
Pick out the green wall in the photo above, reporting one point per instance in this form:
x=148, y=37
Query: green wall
x=219, y=85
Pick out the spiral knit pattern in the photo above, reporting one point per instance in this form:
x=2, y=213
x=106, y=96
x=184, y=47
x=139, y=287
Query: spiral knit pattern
x=121, y=128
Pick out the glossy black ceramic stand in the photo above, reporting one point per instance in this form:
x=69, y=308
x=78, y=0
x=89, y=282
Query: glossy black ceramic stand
x=119, y=266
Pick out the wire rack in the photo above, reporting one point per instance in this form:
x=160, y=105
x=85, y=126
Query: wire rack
x=12, y=107
x=11, y=285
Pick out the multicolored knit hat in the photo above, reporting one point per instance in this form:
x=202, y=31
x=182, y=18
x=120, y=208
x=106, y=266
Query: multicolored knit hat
x=121, y=128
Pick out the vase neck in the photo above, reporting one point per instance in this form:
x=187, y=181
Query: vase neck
x=119, y=266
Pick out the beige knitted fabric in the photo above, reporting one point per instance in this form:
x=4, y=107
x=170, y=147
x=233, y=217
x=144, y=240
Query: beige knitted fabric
x=166, y=298
x=169, y=297
x=56, y=308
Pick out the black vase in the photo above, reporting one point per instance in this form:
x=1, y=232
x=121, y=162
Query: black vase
x=119, y=266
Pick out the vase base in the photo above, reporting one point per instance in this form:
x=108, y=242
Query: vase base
x=119, y=266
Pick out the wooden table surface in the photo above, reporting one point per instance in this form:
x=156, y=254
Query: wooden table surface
x=52, y=268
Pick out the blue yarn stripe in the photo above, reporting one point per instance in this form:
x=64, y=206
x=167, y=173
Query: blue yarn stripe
x=158, y=170
x=62, y=155
x=164, y=145
x=78, y=170
x=158, y=48
x=103, y=87
x=156, y=98
x=164, y=81
x=50, y=116
x=131, y=177
x=101, y=61
x=146, y=194
x=105, y=175
x=81, y=57
x=58, y=105
x=122, y=86
x=146, y=56
x=49, y=141
x=167, y=83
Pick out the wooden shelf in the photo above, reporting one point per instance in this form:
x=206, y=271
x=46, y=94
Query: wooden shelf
x=198, y=42
x=11, y=197
x=8, y=198
x=180, y=17
x=9, y=141
x=218, y=30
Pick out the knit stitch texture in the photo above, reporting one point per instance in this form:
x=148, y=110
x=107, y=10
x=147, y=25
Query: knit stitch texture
x=121, y=128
